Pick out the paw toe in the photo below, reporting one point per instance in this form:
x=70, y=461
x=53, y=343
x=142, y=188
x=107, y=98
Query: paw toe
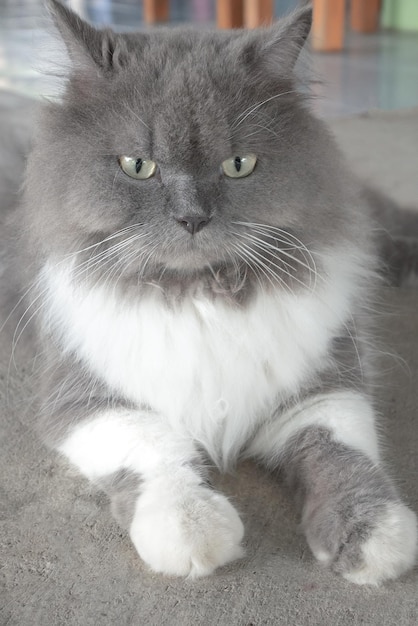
x=188, y=537
x=390, y=550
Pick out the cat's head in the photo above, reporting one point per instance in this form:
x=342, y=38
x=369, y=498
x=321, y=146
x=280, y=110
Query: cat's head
x=184, y=152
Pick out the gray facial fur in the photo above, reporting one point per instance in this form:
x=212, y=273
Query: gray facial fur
x=187, y=100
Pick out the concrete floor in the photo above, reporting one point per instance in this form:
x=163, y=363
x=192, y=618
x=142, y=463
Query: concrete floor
x=373, y=72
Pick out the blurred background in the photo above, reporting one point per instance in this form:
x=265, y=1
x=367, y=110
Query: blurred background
x=353, y=71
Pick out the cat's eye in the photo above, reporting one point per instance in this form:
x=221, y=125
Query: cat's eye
x=137, y=168
x=239, y=166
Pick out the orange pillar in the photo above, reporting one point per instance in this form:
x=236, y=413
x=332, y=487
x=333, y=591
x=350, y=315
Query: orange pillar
x=229, y=13
x=365, y=15
x=156, y=11
x=257, y=13
x=328, y=24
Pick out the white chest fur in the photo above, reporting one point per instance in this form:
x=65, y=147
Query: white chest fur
x=212, y=369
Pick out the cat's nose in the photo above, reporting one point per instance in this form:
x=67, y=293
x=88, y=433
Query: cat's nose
x=193, y=223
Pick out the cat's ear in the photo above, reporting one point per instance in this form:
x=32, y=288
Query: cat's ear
x=277, y=47
x=88, y=48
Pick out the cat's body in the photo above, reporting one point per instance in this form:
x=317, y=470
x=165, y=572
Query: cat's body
x=198, y=312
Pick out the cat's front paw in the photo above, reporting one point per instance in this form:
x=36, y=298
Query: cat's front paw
x=390, y=550
x=186, y=532
x=373, y=550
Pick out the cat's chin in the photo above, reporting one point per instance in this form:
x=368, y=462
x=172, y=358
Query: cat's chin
x=219, y=279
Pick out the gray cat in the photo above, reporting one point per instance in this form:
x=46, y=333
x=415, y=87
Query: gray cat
x=202, y=268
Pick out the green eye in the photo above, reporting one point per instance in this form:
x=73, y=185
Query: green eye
x=137, y=168
x=239, y=166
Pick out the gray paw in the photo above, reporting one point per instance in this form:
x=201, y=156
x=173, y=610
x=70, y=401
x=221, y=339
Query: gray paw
x=379, y=546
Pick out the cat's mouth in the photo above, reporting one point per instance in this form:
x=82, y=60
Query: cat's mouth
x=231, y=255
x=192, y=252
x=191, y=261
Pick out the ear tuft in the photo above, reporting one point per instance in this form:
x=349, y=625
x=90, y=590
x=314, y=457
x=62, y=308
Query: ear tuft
x=298, y=25
x=85, y=44
x=278, y=47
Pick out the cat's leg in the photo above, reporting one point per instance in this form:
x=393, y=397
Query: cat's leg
x=352, y=516
x=156, y=482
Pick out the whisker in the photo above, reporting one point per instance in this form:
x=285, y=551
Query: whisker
x=288, y=236
x=280, y=269
x=255, y=268
x=243, y=116
x=97, y=261
x=266, y=247
x=266, y=230
x=102, y=258
x=130, y=109
x=239, y=279
x=142, y=273
x=259, y=243
x=36, y=283
x=117, y=233
x=139, y=94
x=266, y=269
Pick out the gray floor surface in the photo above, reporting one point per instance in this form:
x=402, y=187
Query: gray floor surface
x=65, y=562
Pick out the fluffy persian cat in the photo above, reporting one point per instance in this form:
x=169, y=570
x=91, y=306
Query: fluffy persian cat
x=204, y=267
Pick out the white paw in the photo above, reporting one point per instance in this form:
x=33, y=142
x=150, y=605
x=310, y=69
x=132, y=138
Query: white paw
x=185, y=531
x=390, y=551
